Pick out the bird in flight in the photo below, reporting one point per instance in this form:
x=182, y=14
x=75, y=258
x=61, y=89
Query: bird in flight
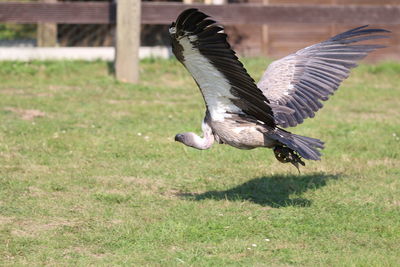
x=246, y=115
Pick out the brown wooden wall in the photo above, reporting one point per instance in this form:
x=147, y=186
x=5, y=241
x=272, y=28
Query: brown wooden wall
x=279, y=40
x=92, y=23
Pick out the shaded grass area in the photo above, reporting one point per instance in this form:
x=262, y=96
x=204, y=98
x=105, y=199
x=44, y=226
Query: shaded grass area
x=90, y=174
x=274, y=191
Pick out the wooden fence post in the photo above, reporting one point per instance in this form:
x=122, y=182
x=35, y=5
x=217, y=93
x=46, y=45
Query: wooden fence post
x=128, y=40
x=265, y=40
x=47, y=32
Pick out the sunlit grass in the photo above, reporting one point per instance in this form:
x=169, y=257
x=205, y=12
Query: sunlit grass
x=96, y=178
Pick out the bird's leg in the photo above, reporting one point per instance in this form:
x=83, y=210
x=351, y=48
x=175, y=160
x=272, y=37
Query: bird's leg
x=285, y=155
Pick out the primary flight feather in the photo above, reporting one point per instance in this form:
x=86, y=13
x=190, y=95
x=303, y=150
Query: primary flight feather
x=247, y=115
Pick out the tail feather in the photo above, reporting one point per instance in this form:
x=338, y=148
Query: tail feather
x=307, y=147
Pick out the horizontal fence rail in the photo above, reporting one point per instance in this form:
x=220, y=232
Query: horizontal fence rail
x=165, y=13
x=62, y=12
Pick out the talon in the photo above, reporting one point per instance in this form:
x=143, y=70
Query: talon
x=286, y=155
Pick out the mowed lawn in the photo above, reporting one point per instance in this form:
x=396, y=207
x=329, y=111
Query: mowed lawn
x=91, y=175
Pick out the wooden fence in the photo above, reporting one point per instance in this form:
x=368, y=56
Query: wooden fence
x=165, y=13
x=271, y=27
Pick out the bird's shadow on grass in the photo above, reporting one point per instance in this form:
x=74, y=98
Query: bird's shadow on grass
x=274, y=191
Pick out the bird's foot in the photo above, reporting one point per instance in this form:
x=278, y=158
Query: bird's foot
x=286, y=155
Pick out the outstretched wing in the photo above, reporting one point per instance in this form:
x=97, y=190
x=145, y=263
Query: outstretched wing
x=301, y=80
x=201, y=46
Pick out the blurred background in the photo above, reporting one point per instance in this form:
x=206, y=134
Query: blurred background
x=273, y=41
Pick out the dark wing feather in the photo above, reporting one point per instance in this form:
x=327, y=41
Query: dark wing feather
x=302, y=80
x=193, y=31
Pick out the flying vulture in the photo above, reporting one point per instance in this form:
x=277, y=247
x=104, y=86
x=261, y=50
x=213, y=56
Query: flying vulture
x=246, y=115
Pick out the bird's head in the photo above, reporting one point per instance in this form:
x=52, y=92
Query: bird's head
x=192, y=140
x=184, y=138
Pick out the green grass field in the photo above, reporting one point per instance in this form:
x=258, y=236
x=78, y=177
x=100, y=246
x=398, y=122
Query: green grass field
x=90, y=174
